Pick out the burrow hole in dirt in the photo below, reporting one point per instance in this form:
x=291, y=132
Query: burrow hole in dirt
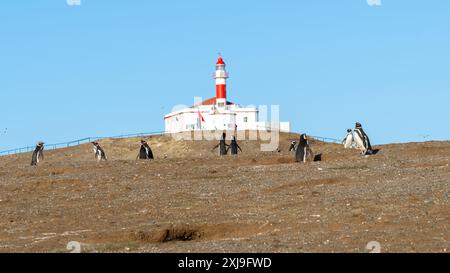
x=181, y=234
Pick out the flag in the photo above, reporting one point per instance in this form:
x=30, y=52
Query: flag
x=200, y=116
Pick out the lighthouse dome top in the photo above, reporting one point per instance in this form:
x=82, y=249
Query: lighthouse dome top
x=220, y=61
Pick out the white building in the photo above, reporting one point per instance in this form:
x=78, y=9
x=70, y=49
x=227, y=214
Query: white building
x=217, y=113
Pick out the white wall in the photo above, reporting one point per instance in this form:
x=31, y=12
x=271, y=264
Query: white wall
x=188, y=120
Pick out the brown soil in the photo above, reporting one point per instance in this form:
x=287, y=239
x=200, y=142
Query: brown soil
x=190, y=200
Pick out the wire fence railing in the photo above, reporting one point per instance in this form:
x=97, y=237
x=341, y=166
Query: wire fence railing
x=77, y=142
x=327, y=139
x=85, y=140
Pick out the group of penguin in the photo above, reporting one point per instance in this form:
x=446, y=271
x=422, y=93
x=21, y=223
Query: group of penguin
x=303, y=153
x=357, y=138
x=145, y=152
x=234, y=147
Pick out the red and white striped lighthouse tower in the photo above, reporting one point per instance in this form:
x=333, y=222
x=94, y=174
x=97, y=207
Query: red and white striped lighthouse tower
x=221, y=77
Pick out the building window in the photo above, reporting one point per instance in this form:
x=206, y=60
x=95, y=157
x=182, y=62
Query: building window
x=221, y=104
x=245, y=119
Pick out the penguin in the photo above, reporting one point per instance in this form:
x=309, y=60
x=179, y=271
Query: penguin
x=293, y=146
x=38, y=154
x=348, y=140
x=223, y=147
x=362, y=140
x=145, y=152
x=234, y=146
x=99, y=153
x=303, y=152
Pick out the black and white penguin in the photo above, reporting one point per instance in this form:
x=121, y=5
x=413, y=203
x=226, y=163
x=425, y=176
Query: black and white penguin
x=38, y=154
x=234, y=147
x=145, y=152
x=348, y=140
x=223, y=146
x=362, y=140
x=293, y=146
x=303, y=151
x=99, y=153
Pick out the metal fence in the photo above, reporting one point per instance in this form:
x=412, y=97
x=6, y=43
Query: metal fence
x=90, y=139
x=327, y=139
x=75, y=143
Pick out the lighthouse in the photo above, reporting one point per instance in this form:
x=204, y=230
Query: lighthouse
x=217, y=113
x=221, y=77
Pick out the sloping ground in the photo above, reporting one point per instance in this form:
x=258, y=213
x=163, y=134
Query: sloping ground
x=189, y=199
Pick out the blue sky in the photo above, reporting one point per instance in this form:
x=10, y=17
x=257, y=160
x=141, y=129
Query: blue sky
x=112, y=67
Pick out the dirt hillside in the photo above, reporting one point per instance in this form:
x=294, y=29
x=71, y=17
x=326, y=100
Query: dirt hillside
x=191, y=200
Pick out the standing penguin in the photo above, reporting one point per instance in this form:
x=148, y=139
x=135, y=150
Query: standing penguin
x=303, y=150
x=145, y=152
x=293, y=146
x=234, y=146
x=99, y=153
x=38, y=154
x=362, y=140
x=223, y=147
x=348, y=140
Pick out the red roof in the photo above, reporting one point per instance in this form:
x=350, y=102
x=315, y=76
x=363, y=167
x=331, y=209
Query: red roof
x=220, y=61
x=211, y=101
